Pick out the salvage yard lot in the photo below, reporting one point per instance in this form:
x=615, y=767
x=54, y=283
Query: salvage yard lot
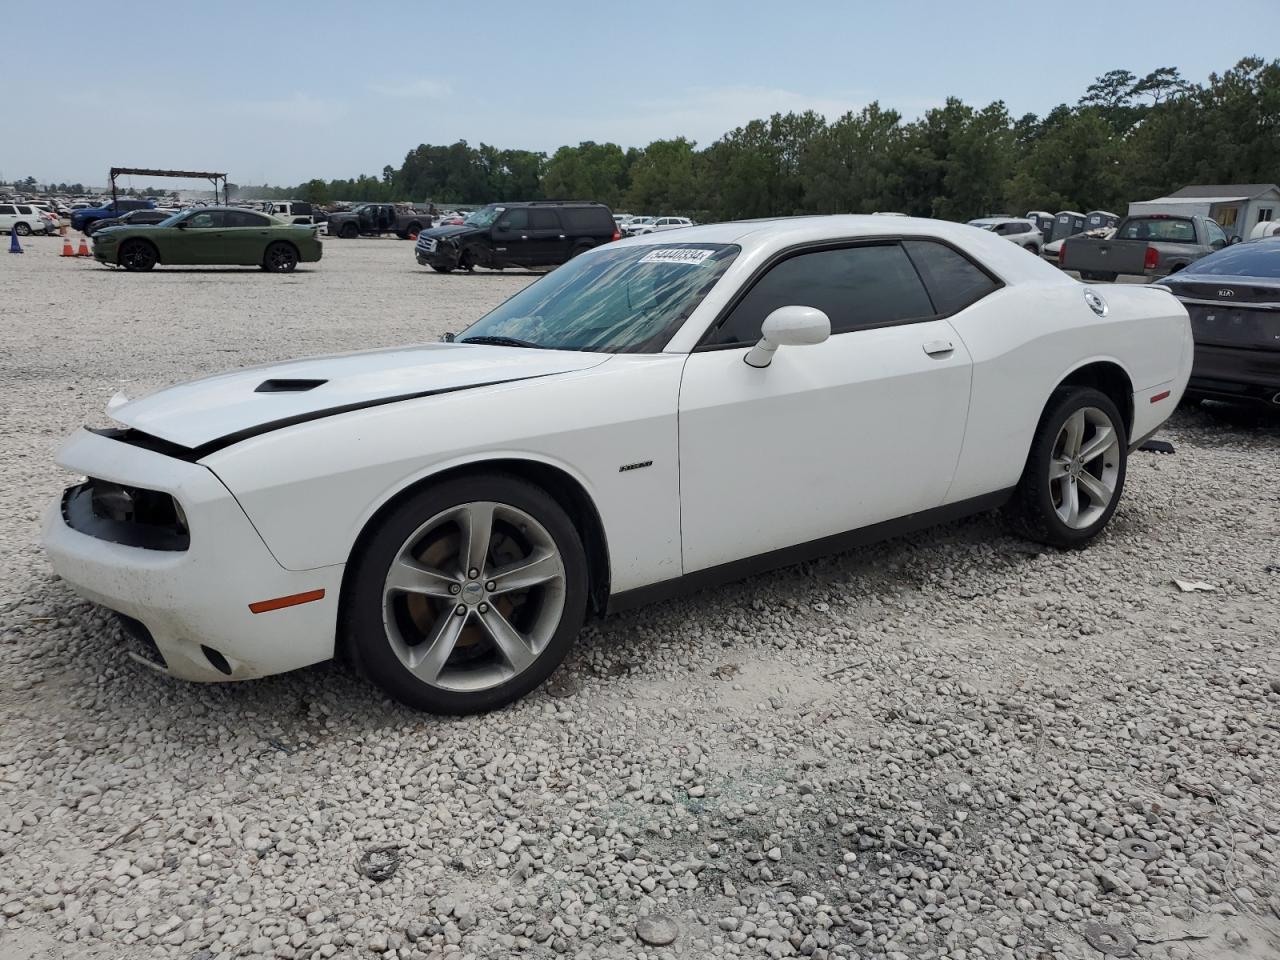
x=938, y=744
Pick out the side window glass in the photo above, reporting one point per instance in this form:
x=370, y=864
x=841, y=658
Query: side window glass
x=954, y=281
x=857, y=288
x=1216, y=233
x=517, y=219
x=541, y=219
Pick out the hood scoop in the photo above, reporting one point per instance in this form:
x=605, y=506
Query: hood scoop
x=276, y=385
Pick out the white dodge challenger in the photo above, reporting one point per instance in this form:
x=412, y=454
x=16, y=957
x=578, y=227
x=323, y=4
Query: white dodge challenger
x=659, y=414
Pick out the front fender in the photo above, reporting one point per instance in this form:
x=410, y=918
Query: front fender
x=310, y=489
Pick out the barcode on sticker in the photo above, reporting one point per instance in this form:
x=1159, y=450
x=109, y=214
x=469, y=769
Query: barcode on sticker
x=689, y=255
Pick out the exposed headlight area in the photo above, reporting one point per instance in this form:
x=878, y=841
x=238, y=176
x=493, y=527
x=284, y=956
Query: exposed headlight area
x=132, y=516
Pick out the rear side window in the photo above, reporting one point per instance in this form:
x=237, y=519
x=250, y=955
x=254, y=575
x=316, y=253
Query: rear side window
x=540, y=218
x=954, y=281
x=856, y=287
x=1167, y=230
x=587, y=220
x=239, y=218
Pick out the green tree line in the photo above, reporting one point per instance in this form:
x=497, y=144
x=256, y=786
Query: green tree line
x=1126, y=138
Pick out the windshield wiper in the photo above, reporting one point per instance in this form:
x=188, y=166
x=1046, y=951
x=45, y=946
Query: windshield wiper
x=502, y=342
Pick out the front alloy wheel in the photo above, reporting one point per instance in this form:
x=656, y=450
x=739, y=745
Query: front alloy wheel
x=138, y=255
x=477, y=604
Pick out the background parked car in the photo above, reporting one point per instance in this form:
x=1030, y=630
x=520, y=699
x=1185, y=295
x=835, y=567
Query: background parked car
x=1022, y=232
x=113, y=208
x=1231, y=296
x=133, y=217
x=21, y=219
x=375, y=219
x=209, y=235
x=660, y=224
x=544, y=233
x=292, y=211
x=635, y=225
x=1153, y=245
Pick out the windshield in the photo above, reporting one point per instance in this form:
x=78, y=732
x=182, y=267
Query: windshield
x=483, y=217
x=620, y=300
x=1259, y=258
x=171, y=221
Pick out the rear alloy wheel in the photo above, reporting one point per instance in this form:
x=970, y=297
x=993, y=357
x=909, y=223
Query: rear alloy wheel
x=280, y=257
x=137, y=255
x=1075, y=472
x=22, y=229
x=468, y=595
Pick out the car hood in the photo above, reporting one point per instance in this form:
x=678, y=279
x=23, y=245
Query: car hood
x=213, y=412
x=436, y=233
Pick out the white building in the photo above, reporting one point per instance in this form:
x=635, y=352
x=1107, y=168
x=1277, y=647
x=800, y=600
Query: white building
x=1237, y=207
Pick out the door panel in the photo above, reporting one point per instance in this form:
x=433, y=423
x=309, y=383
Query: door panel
x=547, y=241
x=863, y=428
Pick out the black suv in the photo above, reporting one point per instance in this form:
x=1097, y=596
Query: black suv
x=541, y=233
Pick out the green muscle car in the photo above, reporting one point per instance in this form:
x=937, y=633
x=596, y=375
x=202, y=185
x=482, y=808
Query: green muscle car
x=209, y=235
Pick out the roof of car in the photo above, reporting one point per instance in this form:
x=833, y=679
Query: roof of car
x=546, y=203
x=765, y=237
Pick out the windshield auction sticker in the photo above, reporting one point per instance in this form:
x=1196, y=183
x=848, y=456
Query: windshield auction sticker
x=689, y=255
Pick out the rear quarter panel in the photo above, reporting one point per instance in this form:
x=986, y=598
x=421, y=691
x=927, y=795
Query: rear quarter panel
x=1026, y=340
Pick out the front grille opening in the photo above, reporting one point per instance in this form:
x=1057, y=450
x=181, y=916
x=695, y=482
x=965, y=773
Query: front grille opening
x=133, y=516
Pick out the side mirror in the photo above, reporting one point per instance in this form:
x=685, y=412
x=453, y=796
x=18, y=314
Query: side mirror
x=181, y=224
x=1218, y=244
x=1234, y=240
x=788, y=327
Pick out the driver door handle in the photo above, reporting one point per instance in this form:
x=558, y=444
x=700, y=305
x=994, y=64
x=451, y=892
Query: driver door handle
x=939, y=348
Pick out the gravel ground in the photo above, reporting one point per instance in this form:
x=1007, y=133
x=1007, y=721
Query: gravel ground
x=951, y=745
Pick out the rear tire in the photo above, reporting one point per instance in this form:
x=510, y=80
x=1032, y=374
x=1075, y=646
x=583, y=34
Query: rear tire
x=22, y=229
x=521, y=611
x=280, y=257
x=138, y=256
x=1074, y=475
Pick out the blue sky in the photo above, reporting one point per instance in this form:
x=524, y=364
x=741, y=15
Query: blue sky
x=281, y=92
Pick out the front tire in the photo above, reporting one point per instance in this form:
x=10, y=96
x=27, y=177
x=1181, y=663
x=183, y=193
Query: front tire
x=280, y=257
x=1075, y=471
x=138, y=255
x=349, y=231
x=467, y=595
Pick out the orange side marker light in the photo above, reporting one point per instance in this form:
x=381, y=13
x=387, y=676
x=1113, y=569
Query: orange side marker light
x=279, y=603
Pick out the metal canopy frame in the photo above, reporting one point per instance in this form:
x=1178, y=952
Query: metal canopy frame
x=175, y=174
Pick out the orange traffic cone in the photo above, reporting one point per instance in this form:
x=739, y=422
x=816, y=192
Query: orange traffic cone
x=84, y=249
x=66, y=247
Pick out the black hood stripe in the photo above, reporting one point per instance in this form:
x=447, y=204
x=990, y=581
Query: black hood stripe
x=139, y=438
